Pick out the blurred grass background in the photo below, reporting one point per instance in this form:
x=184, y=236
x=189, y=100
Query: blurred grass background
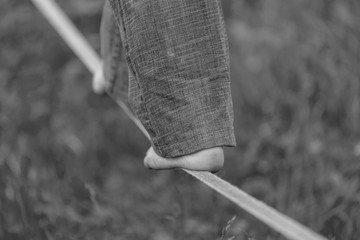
x=71, y=162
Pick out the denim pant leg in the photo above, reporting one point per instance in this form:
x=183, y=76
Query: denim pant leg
x=120, y=82
x=178, y=59
x=112, y=53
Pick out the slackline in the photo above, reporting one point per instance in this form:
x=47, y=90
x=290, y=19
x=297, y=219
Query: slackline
x=276, y=220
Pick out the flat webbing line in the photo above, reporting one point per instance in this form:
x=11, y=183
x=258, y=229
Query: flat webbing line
x=276, y=220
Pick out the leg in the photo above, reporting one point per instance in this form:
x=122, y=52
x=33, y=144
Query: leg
x=112, y=77
x=178, y=61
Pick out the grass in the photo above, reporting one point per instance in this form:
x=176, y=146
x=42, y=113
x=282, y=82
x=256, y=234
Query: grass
x=71, y=163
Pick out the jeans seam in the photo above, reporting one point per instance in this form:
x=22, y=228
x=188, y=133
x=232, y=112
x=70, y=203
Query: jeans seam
x=116, y=42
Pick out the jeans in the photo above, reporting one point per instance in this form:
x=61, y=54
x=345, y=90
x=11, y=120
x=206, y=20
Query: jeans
x=176, y=55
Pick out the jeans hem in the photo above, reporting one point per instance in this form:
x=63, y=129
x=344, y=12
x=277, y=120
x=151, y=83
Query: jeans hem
x=195, y=143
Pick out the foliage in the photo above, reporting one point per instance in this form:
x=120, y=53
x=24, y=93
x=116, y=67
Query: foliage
x=70, y=161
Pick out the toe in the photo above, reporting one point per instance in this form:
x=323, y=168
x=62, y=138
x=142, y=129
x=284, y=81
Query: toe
x=154, y=161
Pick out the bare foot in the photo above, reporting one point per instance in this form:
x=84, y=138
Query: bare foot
x=211, y=160
x=98, y=82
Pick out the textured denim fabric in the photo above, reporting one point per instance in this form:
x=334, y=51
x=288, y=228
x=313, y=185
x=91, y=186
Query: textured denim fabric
x=178, y=65
x=114, y=63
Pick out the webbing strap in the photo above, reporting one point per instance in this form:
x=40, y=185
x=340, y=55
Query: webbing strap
x=278, y=221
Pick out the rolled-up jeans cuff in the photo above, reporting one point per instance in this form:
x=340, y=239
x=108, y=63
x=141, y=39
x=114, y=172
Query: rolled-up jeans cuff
x=204, y=137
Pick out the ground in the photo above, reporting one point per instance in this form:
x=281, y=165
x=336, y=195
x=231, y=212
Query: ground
x=71, y=161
